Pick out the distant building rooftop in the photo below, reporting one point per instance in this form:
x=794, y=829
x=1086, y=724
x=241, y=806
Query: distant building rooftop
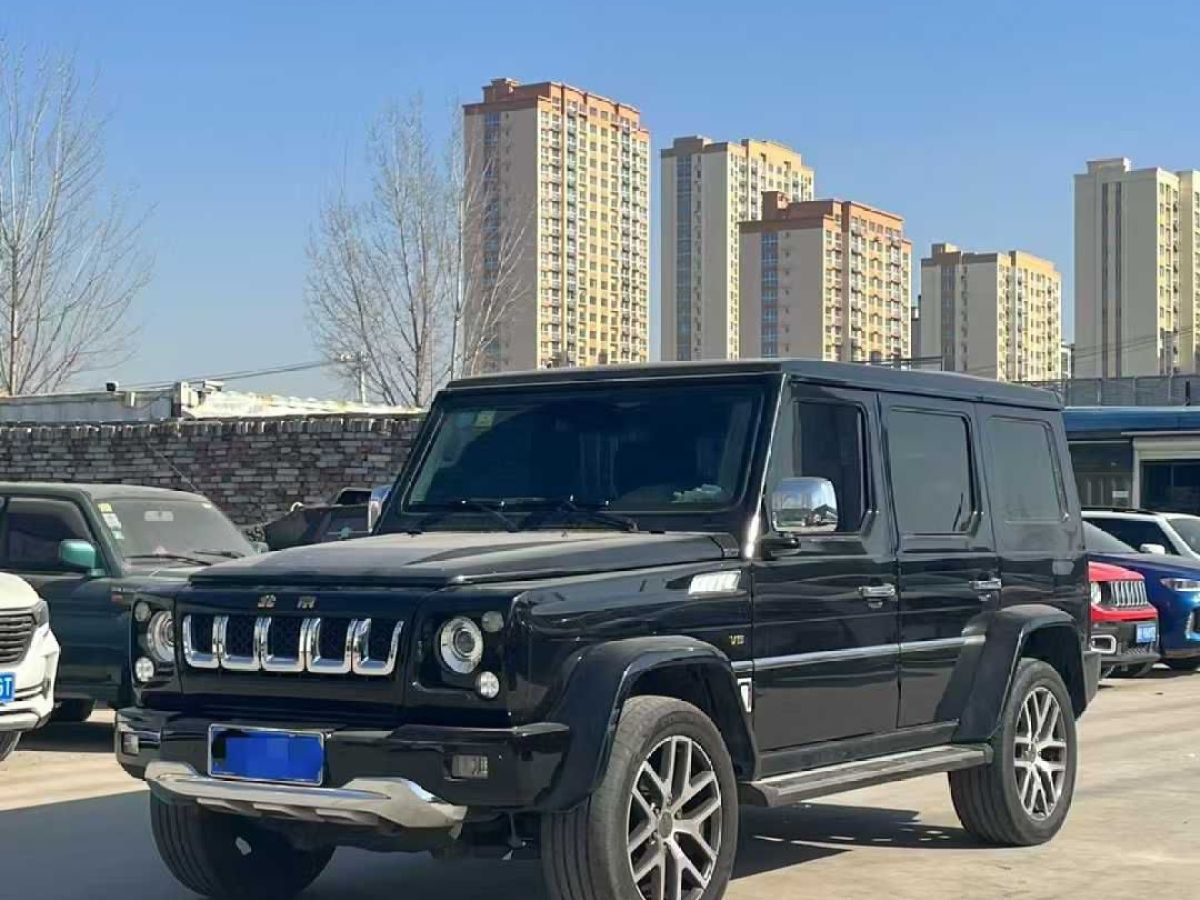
x=183, y=400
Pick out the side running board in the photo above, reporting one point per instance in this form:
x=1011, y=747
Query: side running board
x=794, y=787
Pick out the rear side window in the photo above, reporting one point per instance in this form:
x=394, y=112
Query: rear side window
x=33, y=529
x=930, y=458
x=1025, y=472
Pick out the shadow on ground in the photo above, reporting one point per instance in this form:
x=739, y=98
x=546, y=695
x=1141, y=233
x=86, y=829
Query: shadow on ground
x=78, y=737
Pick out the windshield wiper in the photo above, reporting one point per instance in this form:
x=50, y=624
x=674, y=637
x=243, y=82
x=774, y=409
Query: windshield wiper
x=224, y=554
x=473, y=504
x=554, y=505
x=179, y=557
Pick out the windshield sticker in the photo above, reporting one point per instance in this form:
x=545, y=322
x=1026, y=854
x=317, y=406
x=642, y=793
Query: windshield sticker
x=158, y=515
x=104, y=507
x=484, y=418
x=111, y=520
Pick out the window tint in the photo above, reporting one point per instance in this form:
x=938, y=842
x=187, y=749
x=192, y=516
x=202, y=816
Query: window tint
x=825, y=440
x=1024, y=472
x=1098, y=541
x=1188, y=528
x=34, y=528
x=1134, y=532
x=931, y=472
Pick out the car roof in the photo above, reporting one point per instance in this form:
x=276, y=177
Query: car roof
x=96, y=492
x=858, y=375
x=1133, y=514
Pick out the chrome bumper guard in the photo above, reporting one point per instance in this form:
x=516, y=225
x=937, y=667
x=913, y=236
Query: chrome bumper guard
x=371, y=802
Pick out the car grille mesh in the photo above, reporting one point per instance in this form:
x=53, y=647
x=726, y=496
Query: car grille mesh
x=16, y=634
x=1125, y=594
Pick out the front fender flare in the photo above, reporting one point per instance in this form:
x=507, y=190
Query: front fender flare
x=603, y=677
x=1008, y=633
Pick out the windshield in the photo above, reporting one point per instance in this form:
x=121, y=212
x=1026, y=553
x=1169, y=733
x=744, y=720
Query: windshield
x=143, y=529
x=1099, y=541
x=634, y=449
x=1188, y=528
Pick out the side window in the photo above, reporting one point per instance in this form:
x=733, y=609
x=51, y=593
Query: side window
x=1025, y=470
x=1135, y=533
x=33, y=529
x=932, y=484
x=825, y=440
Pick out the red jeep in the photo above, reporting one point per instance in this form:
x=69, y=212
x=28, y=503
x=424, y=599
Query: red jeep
x=1124, y=624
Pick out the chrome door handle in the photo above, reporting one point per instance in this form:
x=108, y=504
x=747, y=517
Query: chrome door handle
x=877, y=592
x=986, y=585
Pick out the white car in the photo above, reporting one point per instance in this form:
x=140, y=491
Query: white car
x=28, y=661
x=1175, y=534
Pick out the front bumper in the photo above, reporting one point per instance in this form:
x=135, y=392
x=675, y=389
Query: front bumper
x=1116, y=642
x=34, y=678
x=366, y=771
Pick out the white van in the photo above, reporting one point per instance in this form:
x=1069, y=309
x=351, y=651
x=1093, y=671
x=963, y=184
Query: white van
x=28, y=661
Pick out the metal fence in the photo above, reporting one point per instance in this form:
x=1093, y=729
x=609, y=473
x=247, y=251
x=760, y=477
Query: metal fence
x=1141, y=390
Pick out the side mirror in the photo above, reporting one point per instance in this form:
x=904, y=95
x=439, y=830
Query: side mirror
x=1157, y=549
x=804, y=506
x=260, y=546
x=79, y=556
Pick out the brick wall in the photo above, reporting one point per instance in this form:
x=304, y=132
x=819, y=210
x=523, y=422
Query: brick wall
x=254, y=469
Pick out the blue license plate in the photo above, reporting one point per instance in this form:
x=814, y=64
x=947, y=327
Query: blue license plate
x=262, y=754
x=8, y=687
x=1147, y=633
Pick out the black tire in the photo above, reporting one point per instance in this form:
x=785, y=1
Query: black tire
x=73, y=711
x=1187, y=664
x=585, y=853
x=230, y=857
x=987, y=798
x=1138, y=671
x=8, y=743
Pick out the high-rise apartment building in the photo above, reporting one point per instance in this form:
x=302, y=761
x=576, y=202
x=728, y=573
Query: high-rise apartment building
x=997, y=315
x=564, y=174
x=1137, y=270
x=825, y=279
x=708, y=189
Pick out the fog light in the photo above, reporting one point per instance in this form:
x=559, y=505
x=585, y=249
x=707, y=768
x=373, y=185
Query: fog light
x=488, y=685
x=130, y=745
x=468, y=766
x=141, y=611
x=143, y=669
x=493, y=621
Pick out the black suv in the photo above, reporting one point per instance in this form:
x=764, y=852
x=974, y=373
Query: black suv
x=603, y=608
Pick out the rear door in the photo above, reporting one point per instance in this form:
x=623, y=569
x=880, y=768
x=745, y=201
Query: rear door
x=92, y=630
x=1039, y=539
x=948, y=567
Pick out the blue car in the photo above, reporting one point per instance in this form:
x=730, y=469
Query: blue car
x=1173, y=585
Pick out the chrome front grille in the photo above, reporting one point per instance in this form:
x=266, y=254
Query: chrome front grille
x=1126, y=594
x=16, y=634
x=292, y=645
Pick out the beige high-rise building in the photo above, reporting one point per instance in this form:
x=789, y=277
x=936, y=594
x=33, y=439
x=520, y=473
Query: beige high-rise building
x=996, y=315
x=707, y=190
x=1137, y=270
x=566, y=174
x=825, y=279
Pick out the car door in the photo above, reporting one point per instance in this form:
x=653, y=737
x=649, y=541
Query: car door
x=948, y=567
x=1040, y=542
x=825, y=621
x=92, y=630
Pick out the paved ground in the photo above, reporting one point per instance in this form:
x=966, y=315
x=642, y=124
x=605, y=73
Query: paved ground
x=73, y=827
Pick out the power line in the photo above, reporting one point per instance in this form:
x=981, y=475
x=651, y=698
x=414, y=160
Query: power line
x=243, y=374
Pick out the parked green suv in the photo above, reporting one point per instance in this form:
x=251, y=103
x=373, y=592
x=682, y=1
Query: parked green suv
x=87, y=549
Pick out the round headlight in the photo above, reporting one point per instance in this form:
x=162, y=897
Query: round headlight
x=461, y=644
x=160, y=637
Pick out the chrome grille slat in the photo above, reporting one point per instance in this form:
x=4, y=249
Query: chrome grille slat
x=16, y=634
x=1125, y=594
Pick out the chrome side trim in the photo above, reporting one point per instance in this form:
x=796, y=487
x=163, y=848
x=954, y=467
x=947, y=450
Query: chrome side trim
x=191, y=655
x=875, y=650
x=941, y=644
x=381, y=803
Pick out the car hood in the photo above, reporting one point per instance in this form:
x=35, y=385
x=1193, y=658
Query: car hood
x=1151, y=564
x=435, y=559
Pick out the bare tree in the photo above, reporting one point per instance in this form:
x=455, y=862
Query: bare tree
x=403, y=291
x=70, y=264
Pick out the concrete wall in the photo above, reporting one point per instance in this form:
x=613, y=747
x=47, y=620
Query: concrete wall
x=254, y=469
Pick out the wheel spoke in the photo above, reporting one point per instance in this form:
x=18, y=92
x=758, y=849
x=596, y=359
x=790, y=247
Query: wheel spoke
x=639, y=837
x=651, y=861
x=656, y=782
x=697, y=784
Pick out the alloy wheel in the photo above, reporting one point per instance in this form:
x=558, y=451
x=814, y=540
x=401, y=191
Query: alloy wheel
x=1040, y=753
x=674, y=821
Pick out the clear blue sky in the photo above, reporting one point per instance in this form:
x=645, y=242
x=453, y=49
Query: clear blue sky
x=232, y=119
